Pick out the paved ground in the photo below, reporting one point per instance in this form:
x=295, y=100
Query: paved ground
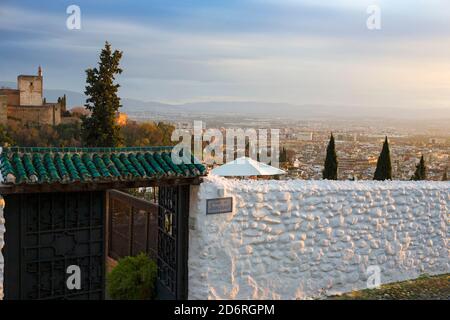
x=422, y=288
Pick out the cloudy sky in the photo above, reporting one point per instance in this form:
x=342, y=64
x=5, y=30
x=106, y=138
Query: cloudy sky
x=297, y=51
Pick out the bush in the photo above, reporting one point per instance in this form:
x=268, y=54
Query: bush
x=134, y=278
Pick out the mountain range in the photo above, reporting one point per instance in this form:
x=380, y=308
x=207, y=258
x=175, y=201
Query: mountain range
x=252, y=108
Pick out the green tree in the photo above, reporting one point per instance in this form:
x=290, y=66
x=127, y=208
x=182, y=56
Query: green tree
x=5, y=137
x=421, y=171
x=283, y=156
x=166, y=130
x=444, y=176
x=134, y=278
x=147, y=134
x=330, y=170
x=384, y=166
x=101, y=129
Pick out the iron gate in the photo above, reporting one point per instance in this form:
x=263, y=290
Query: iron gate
x=133, y=226
x=47, y=233
x=173, y=214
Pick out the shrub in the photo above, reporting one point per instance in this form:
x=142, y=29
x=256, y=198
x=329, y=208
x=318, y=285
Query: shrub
x=134, y=278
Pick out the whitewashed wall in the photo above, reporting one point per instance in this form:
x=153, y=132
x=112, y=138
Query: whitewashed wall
x=302, y=239
x=2, y=232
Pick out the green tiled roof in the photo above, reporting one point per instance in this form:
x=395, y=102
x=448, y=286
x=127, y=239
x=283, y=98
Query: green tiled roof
x=67, y=165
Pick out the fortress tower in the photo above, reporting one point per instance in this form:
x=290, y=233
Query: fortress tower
x=27, y=104
x=30, y=89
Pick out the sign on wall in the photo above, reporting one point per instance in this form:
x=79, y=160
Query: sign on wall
x=219, y=205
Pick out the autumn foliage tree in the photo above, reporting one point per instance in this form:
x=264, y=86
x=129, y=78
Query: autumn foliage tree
x=62, y=135
x=147, y=134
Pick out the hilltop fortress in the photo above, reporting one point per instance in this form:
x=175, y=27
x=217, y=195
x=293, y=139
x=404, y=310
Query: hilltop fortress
x=27, y=104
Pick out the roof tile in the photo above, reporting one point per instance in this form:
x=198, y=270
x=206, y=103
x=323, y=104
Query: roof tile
x=68, y=165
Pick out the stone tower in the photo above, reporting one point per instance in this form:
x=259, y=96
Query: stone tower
x=30, y=89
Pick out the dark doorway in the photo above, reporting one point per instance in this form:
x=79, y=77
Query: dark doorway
x=45, y=234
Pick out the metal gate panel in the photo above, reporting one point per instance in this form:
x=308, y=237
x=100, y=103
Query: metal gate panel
x=133, y=226
x=173, y=213
x=46, y=233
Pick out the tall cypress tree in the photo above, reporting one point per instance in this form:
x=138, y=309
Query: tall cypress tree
x=283, y=155
x=330, y=170
x=421, y=171
x=101, y=129
x=384, y=166
x=444, y=176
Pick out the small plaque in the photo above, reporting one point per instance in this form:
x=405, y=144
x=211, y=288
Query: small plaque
x=219, y=205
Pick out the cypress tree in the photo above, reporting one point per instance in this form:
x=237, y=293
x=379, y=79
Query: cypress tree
x=384, y=167
x=331, y=164
x=101, y=129
x=444, y=176
x=420, y=173
x=283, y=155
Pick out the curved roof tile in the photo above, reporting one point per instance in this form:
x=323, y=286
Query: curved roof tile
x=20, y=165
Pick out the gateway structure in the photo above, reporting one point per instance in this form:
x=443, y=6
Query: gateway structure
x=58, y=209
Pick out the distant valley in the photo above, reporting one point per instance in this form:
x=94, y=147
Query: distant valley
x=254, y=109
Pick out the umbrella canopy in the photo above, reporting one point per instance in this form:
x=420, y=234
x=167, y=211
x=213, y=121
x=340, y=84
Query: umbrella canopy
x=244, y=167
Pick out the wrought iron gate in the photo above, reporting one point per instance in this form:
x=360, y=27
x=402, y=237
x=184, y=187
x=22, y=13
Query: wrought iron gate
x=133, y=226
x=47, y=233
x=173, y=214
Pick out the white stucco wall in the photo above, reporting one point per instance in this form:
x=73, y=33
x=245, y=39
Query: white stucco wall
x=302, y=239
x=2, y=232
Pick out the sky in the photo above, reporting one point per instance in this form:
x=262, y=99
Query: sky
x=294, y=51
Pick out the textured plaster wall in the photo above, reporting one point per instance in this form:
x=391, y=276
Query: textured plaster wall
x=301, y=239
x=2, y=243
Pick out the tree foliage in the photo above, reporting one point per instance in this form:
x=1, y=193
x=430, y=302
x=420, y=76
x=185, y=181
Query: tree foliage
x=384, y=166
x=5, y=137
x=421, y=171
x=134, y=278
x=101, y=129
x=69, y=135
x=330, y=170
x=283, y=158
x=62, y=135
x=147, y=134
x=444, y=176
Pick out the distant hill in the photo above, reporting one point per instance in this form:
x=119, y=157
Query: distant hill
x=284, y=110
x=8, y=84
x=252, y=108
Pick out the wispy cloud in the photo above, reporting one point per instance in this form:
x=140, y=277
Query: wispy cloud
x=294, y=51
